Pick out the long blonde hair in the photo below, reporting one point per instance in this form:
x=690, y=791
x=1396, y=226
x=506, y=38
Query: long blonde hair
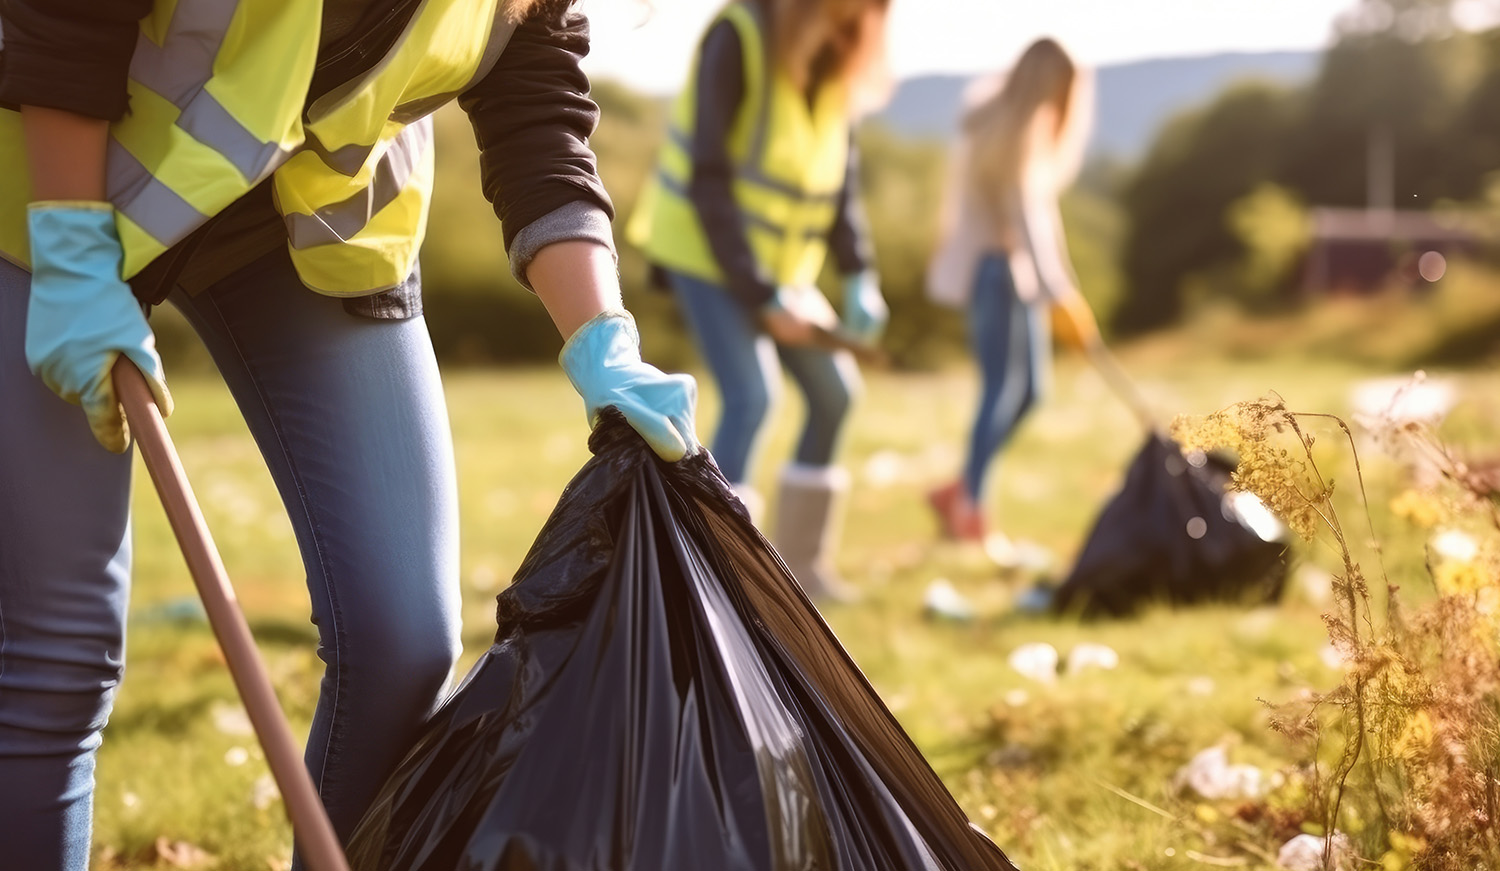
x=1007, y=134
x=833, y=40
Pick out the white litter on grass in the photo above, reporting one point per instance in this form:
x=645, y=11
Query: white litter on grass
x=1036, y=661
x=1333, y=657
x=1314, y=583
x=1455, y=546
x=885, y=469
x=1011, y=554
x=1087, y=656
x=231, y=719
x=130, y=800
x=942, y=600
x=1305, y=852
x=263, y=793
x=1404, y=399
x=1210, y=775
x=236, y=756
x=1254, y=515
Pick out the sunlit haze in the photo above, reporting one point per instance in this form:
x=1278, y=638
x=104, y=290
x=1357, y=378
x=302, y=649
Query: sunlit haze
x=651, y=50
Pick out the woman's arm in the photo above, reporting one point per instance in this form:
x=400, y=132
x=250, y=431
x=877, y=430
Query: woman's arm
x=65, y=64
x=575, y=280
x=532, y=117
x=1040, y=232
x=65, y=152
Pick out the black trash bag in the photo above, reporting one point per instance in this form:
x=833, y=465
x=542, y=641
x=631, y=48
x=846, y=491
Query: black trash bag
x=1173, y=534
x=661, y=696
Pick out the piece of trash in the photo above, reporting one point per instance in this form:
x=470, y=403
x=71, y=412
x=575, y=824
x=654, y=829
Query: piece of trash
x=231, y=719
x=945, y=602
x=1404, y=399
x=130, y=800
x=1314, y=583
x=1451, y=544
x=1089, y=655
x=1011, y=554
x=1201, y=686
x=181, y=854
x=1210, y=775
x=1305, y=852
x=885, y=468
x=1333, y=657
x=263, y=793
x=1037, y=661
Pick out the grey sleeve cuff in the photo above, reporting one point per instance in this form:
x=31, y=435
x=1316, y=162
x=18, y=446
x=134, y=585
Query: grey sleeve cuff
x=578, y=220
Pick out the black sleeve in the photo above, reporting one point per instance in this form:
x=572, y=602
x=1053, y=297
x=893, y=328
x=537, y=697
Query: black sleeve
x=69, y=54
x=721, y=90
x=849, y=238
x=532, y=117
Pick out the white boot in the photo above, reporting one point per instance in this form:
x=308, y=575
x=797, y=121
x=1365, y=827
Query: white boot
x=809, y=520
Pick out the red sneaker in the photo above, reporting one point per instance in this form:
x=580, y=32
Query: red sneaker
x=958, y=516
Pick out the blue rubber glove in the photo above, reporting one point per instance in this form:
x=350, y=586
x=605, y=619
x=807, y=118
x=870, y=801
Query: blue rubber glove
x=603, y=360
x=82, y=316
x=865, y=311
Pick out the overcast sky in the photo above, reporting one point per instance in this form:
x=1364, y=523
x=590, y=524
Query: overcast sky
x=651, y=50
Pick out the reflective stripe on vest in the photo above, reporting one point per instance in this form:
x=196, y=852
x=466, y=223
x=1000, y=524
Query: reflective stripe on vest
x=217, y=92
x=357, y=187
x=342, y=221
x=789, y=164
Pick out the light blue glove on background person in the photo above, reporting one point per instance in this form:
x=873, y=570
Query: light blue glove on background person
x=603, y=360
x=82, y=315
x=865, y=311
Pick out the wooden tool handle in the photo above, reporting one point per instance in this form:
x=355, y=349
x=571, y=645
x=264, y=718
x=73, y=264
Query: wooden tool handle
x=313, y=831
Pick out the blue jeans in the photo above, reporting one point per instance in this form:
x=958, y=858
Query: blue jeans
x=747, y=365
x=349, y=415
x=1012, y=343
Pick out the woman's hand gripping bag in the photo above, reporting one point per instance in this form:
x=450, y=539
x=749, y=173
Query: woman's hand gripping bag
x=661, y=696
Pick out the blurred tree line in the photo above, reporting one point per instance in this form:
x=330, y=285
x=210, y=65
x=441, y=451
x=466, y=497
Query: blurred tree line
x=1218, y=205
x=1217, y=208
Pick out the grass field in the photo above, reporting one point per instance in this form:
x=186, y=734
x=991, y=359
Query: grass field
x=1074, y=775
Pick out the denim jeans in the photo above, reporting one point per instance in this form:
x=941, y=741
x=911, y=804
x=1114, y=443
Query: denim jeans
x=349, y=414
x=1012, y=344
x=747, y=364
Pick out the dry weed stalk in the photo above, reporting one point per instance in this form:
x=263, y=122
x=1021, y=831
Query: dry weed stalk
x=1415, y=723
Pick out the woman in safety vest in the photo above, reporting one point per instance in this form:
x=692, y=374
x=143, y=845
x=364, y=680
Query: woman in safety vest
x=266, y=166
x=756, y=182
x=1003, y=257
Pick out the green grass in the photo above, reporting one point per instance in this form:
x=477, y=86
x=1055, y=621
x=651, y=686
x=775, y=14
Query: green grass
x=1074, y=775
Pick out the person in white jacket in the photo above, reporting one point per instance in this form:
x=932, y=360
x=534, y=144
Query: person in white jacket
x=1003, y=258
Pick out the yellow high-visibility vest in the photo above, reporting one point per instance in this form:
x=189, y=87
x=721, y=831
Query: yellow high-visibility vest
x=217, y=91
x=789, y=161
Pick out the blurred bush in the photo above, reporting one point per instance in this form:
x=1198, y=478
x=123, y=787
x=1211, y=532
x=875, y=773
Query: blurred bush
x=1216, y=210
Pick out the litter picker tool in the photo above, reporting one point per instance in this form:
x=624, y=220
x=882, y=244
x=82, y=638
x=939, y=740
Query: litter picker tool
x=314, y=833
x=1124, y=387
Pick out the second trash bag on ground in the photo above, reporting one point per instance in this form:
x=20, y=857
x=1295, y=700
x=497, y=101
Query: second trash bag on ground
x=1174, y=534
x=662, y=697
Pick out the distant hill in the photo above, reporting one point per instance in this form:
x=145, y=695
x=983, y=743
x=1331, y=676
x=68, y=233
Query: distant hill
x=1133, y=98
